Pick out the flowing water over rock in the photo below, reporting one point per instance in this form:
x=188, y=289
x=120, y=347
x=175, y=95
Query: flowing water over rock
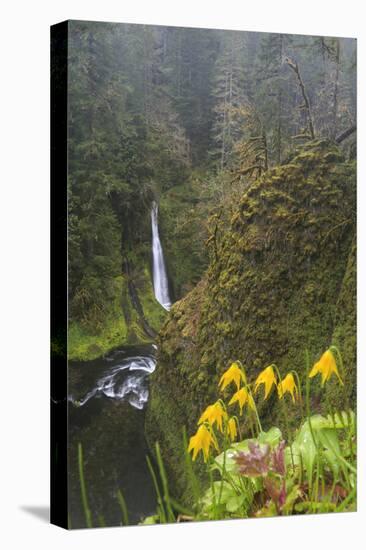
x=160, y=279
x=125, y=380
x=106, y=415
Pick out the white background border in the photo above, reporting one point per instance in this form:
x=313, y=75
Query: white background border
x=24, y=300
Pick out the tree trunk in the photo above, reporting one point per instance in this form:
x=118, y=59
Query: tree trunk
x=335, y=92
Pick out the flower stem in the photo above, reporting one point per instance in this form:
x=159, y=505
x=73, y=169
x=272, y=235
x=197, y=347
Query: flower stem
x=300, y=393
x=285, y=415
x=223, y=473
x=307, y=399
x=215, y=514
x=255, y=408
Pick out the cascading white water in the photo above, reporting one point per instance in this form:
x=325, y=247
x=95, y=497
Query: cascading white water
x=127, y=380
x=160, y=279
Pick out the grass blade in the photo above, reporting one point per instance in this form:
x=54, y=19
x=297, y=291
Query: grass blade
x=123, y=506
x=161, y=510
x=84, y=497
x=164, y=480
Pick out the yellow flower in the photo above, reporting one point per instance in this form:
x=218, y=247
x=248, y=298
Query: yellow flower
x=325, y=366
x=231, y=427
x=202, y=441
x=214, y=414
x=233, y=374
x=288, y=385
x=243, y=397
x=268, y=378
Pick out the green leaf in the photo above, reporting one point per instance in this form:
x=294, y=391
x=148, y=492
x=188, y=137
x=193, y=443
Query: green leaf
x=242, y=445
x=325, y=433
x=227, y=492
x=230, y=464
x=150, y=520
x=342, y=420
x=291, y=498
x=234, y=503
x=328, y=437
x=306, y=449
x=317, y=422
x=267, y=511
x=271, y=438
x=310, y=506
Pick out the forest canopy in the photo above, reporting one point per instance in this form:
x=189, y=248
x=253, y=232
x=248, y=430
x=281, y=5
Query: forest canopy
x=191, y=117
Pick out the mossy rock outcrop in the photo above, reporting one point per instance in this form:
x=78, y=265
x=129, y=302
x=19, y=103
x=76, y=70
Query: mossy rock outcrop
x=282, y=281
x=134, y=317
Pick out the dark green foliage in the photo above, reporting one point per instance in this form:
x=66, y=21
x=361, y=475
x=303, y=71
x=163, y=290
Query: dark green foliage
x=124, y=148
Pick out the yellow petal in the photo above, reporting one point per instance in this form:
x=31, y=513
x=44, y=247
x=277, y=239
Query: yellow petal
x=232, y=429
x=326, y=366
x=287, y=385
x=232, y=374
x=251, y=402
x=268, y=378
x=314, y=371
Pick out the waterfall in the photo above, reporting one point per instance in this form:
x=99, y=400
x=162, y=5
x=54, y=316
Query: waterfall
x=125, y=381
x=160, y=279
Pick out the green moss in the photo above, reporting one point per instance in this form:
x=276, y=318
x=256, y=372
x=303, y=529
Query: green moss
x=344, y=335
x=123, y=325
x=154, y=313
x=84, y=345
x=272, y=292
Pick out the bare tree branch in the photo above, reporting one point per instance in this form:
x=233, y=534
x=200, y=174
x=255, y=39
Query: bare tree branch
x=294, y=66
x=344, y=135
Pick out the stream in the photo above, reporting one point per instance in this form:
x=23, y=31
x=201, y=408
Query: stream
x=106, y=413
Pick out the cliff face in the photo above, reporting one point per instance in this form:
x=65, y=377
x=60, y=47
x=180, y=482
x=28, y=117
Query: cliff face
x=282, y=281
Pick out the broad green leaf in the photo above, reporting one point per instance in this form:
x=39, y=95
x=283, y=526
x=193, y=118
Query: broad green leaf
x=242, y=445
x=150, y=520
x=306, y=448
x=210, y=495
x=343, y=420
x=325, y=433
x=293, y=450
x=230, y=464
x=328, y=437
x=272, y=437
x=317, y=422
x=234, y=503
